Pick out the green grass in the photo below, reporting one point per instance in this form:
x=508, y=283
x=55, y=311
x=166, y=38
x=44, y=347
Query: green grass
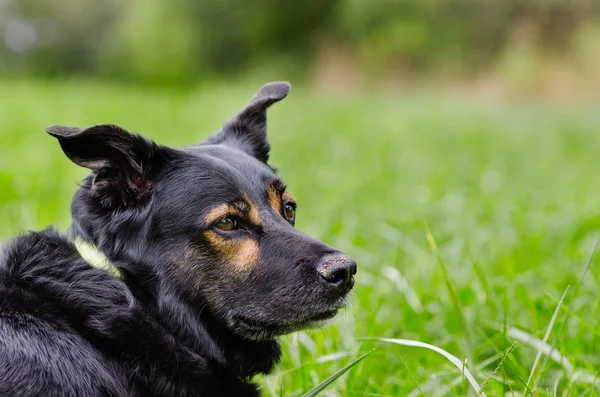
x=510, y=194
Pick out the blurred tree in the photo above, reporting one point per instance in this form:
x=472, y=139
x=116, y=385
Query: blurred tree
x=68, y=34
x=154, y=42
x=183, y=41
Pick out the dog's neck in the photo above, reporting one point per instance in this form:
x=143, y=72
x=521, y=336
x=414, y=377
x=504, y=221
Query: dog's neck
x=194, y=328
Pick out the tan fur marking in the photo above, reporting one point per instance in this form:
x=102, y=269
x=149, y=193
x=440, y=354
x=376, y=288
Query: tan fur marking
x=217, y=213
x=254, y=216
x=242, y=254
x=288, y=197
x=246, y=254
x=224, y=210
x=274, y=199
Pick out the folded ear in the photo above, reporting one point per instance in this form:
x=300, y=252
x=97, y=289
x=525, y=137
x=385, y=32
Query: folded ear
x=247, y=130
x=124, y=164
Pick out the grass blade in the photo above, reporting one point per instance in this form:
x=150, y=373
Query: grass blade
x=546, y=336
x=574, y=293
x=321, y=386
x=442, y=390
x=453, y=294
x=546, y=349
x=500, y=364
x=412, y=378
x=453, y=359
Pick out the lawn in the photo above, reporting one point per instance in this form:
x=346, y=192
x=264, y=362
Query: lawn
x=468, y=220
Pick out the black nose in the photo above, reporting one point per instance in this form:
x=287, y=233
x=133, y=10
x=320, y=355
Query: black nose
x=338, y=271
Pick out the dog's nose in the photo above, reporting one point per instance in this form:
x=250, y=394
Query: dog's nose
x=338, y=271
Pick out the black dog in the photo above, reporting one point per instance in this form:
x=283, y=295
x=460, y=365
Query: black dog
x=210, y=270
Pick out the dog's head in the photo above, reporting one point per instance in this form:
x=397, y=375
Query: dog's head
x=212, y=220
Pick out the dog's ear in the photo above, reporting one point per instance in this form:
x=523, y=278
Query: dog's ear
x=247, y=130
x=124, y=164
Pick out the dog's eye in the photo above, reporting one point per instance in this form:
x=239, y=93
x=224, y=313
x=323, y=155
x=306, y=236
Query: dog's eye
x=289, y=211
x=227, y=224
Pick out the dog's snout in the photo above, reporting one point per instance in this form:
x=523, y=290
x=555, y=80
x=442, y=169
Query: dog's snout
x=338, y=271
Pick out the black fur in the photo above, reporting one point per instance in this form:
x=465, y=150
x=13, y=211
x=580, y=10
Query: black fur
x=199, y=306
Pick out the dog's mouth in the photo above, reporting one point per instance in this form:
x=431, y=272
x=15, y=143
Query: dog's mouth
x=261, y=330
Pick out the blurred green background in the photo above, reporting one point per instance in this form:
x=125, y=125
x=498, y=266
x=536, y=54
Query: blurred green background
x=475, y=123
x=545, y=47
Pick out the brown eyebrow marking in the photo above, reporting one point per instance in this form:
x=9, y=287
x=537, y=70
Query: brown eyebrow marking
x=241, y=253
x=275, y=189
x=288, y=197
x=217, y=213
x=243, y=209
x=253, y=211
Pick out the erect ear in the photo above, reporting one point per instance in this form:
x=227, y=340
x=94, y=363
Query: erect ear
x=124, y=164
x=247, y=130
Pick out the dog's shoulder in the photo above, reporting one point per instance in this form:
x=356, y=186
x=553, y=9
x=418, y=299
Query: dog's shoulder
x=31, y=253
x=46, y=266
x=67, y=328
x=47, y=354
x=46, y=256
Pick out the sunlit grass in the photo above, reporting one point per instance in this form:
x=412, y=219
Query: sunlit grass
x=511, y=193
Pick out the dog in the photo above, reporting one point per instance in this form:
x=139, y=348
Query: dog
x=205, y=269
